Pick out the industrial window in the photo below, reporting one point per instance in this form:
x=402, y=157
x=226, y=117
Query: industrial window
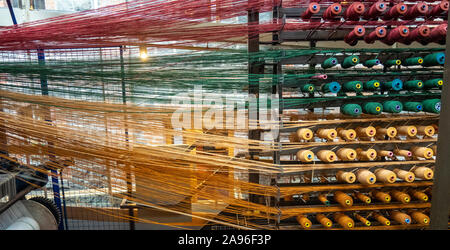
x=17, y=4
x=37, y=4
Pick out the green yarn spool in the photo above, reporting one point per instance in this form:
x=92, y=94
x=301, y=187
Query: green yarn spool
x=351, y=109
x=414, y=84
x=393, y=62
x=333, y=87
x=307, y=88
x=372, y=62
x=353, y=86
x=350, y=61
x=395, y=85
x=330, y=62
x=434, y=59
x=372, y=85
x=392, y=107
x=413, y=106
x=433, y=83
x=432, y=105
x=413, y=61
x=373, y=108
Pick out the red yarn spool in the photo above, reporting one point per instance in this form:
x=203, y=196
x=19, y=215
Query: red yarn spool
x=396, y=35
x=378, y=34
x=441, y=8
x=313, y=8
x=439, y=33
x=332, y=11
x=352, y=37
x=375, y=10
x=419, y=33
x=354, y=11
x=396, y=11
x=419, y=9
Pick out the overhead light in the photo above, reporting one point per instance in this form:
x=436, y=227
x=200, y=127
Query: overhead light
x=143, y=53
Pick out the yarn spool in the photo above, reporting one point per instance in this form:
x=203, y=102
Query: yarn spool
x=364, y=198
x=366, y=131
x=424, y=173
x=305, y=156
x=307, y=88
x=421, y=33
x=392, y=62
x=330, y=62
x=344, y=220
x=350, y=61
x=401, y=196
x=421, y=196
x=405, y=175
x=375, y=10
x=365, y=177
x=346, y=154
x=390, y=132
x=413, y=61
x=397, y=34
x=372, y=108
x=438, y=33
x=352, y=86
x=313, y=8
x=371, y=63
x=432, y=105
x=385, y=153
x=363, y=220
x=354, y=11
x=331, y=87
x=385, y=176
x=347, y=177
x=305, y=134
x=352, y=37
x=332, y=11
x=419, y=9
x=395, y=11
x=327, y=133
x=322, y=219
x=323, y=198
x=346, y=134
x=381, y=196
x=439, y=9
x=372, y=85
x=378, y=34
x=403, y=152
x=410, y=131
x=326, y=156
x=369, y=154
x=420, y=218
x=395, y=85
x=351, y=109
x=343, y=199
x=433, y=83
x=413, y=106
x=435, y=59
x=304, y=222
x=400, y=217
x=413, y=85
x=381, y=219
x=422, y=152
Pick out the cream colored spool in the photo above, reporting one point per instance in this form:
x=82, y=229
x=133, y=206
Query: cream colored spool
x=364, y=198
x=328, y=134
x=421, y=196
x=366, y=131
x=407, y=130
x=365, y=177
x=322, y=219
x=420, y=218
x=344, y=220
x=405, y=175
x=382, y=196
x=389, y=131
x=403, y=152
x=363, y=220
x=347, y=134
x=305, y=156
x=401, y=196
x=326, y=156
x=380, y=218
x=422, y=152
x=385, y=153
x=369, y=154
x=424, y=173
x=346, y=154
x=343, y=199
x=385, y=176
x=400, y=217
x=305, y=134
x=347, y=177
x=426, y=130
x=304, y=222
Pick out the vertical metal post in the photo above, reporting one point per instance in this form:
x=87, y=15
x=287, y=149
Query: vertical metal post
x=440, y=203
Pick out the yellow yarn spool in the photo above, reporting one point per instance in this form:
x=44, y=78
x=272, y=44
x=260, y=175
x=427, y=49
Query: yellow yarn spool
x=380, y=218
x=403, y=152
x=400, y=217
x=323, y=198
x=420, y=218
x=304, y=222
x=369, y=154
x=385, y=153
x=366, y=177
x=364, y=198
x=385, y=176
x=363, y=220
x=344, y=220
x=327, y=223
x=422, y=152
x=401, y=196
x=328, y=133
x=410, y=131
x=426, y=130
x=382, y=196
x=421, y=196
x=305, y=134
x=326, y=156
x=346, y=154
x=305, y=155
x=366, y=131
x=343, y=199
x=405, y=175
x=424, y=173
x=347, y=134
x=347, y=177
x=391, y=132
